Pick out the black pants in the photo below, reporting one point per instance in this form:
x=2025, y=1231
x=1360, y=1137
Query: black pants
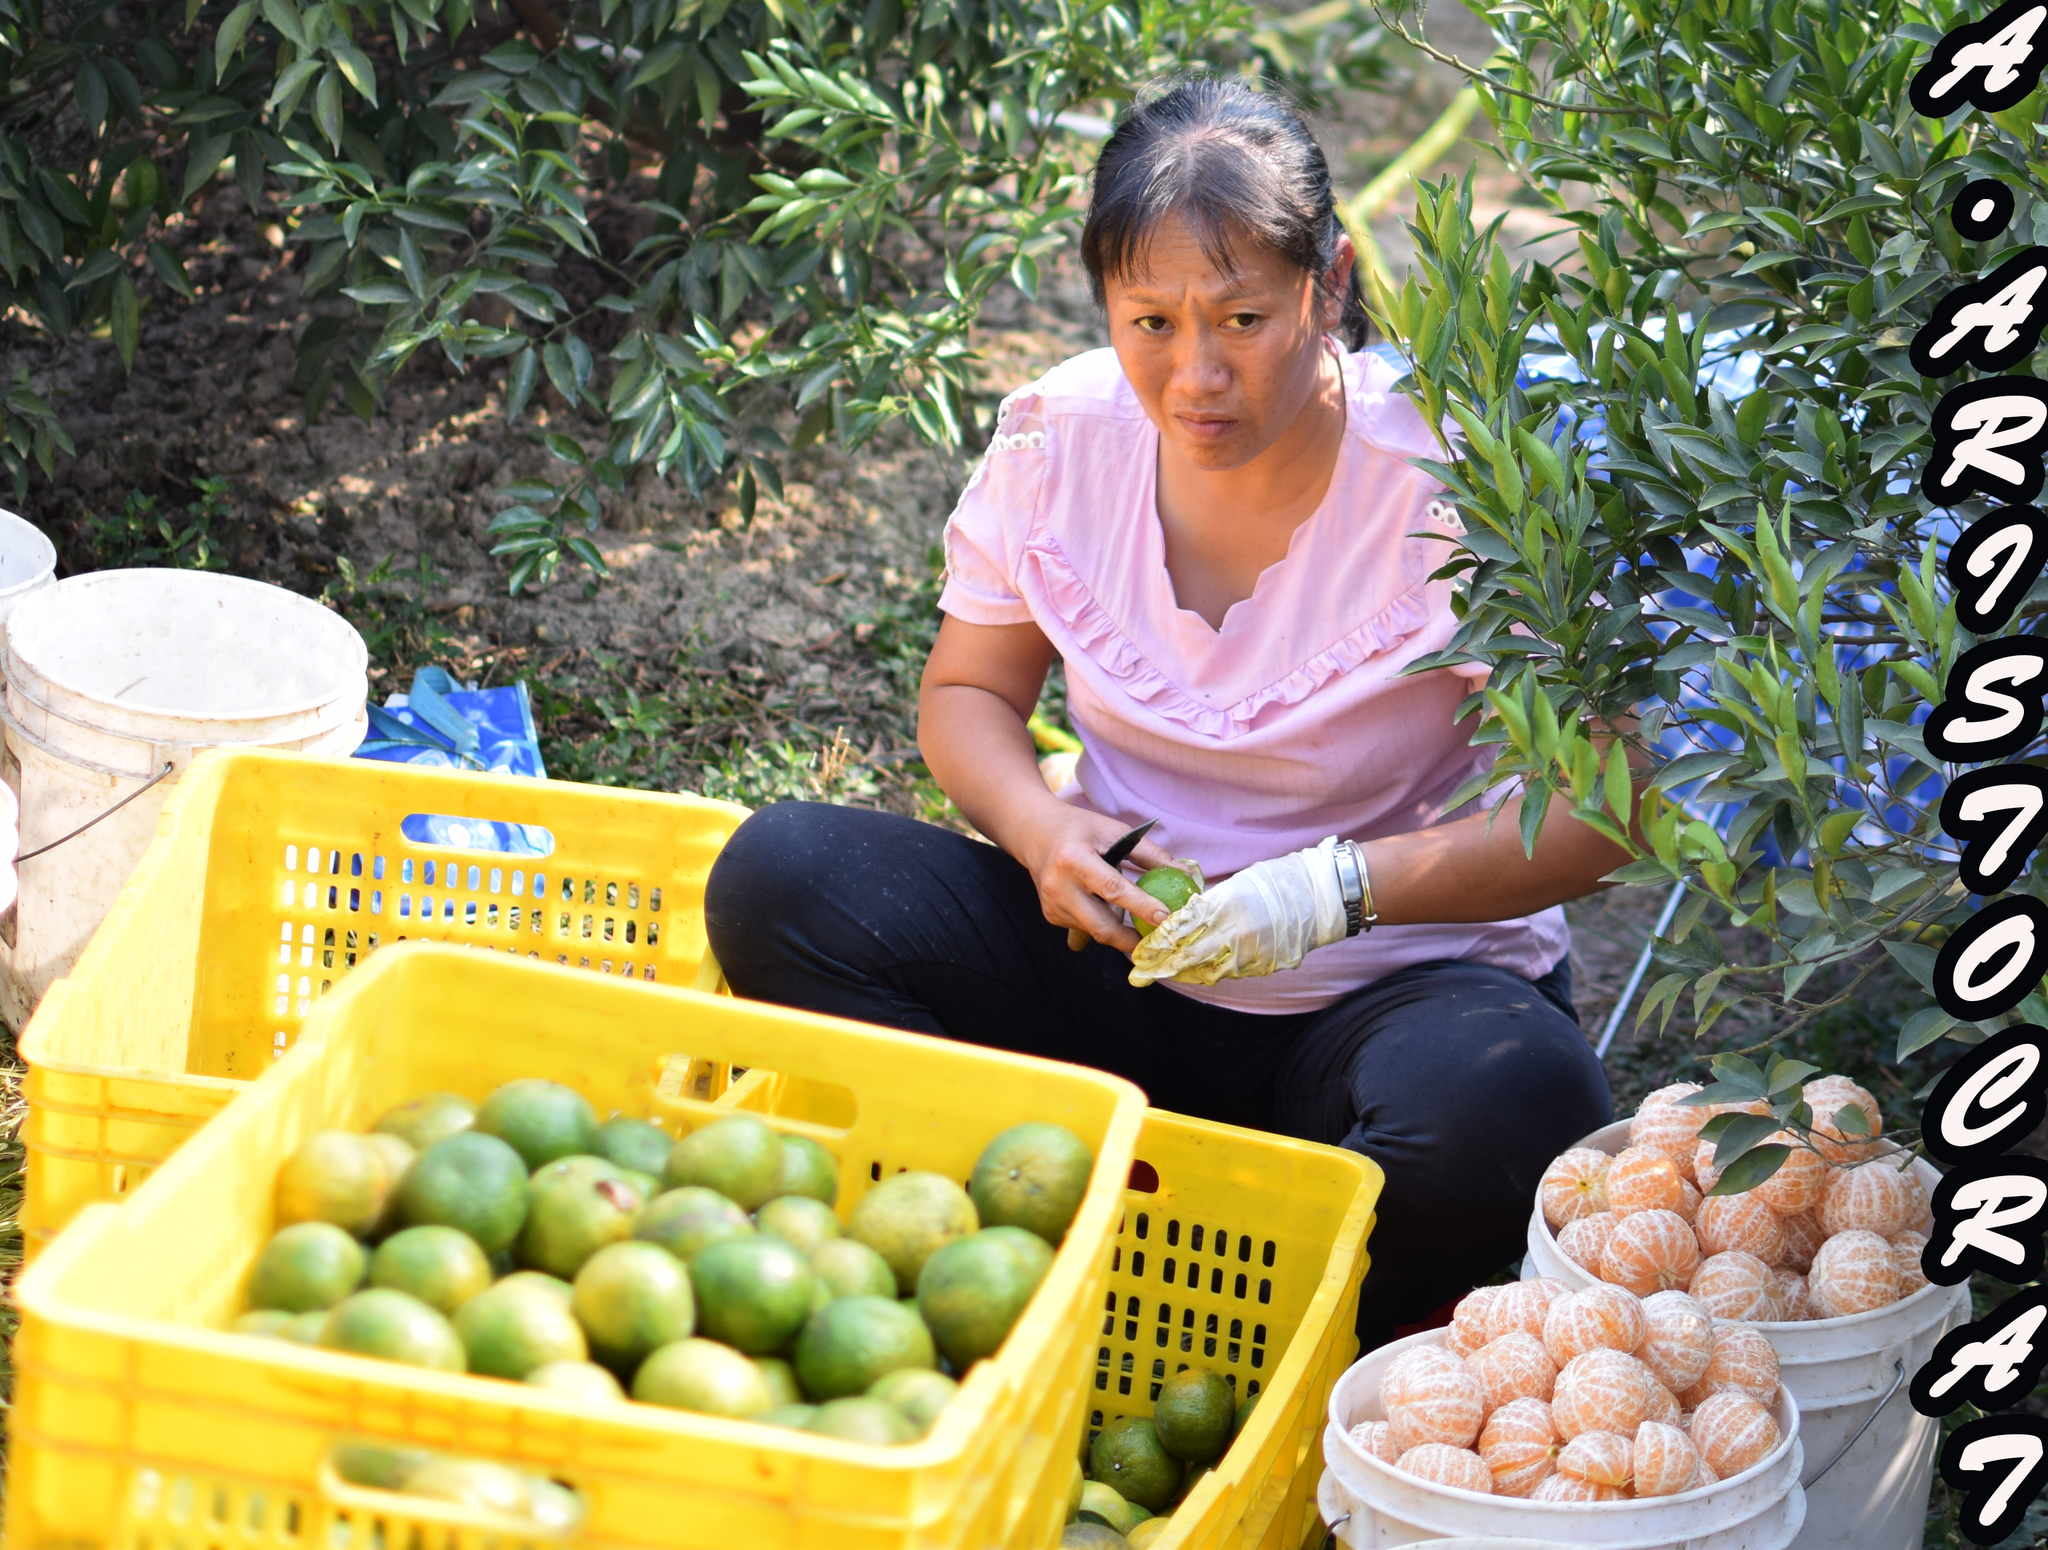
x=1460, y=1080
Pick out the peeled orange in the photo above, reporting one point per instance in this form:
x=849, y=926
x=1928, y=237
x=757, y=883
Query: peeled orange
x=1520, y=1446
x=1740, y=1223
x=1679, y=1342
x=1651, y=1251
x=1733, y=1432
x=1601, y=1391
x=1591, y=1319
x=1432, y=1403
x=1459, y=1468
x=1574, y=1185
x=1665, y=1460
x=1642, y=1178
x=1734, y=1286
x=1585, y=1241
x=1516, y=1366
x=1853, y=1273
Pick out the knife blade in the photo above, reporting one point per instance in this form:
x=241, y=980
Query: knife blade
x=1115, y=856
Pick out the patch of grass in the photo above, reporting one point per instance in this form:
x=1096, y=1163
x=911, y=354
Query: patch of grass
x=141, y=534
x=392, y=611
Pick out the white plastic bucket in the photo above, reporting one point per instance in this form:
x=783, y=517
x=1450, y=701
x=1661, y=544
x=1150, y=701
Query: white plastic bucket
x=110, y=680
x=1840, y=1371
x=28, y=561
x=1371, y=1504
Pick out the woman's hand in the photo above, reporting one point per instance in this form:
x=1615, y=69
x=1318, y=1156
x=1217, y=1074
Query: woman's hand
x=1258, y=921
x=1062, y=846
x=980, y=684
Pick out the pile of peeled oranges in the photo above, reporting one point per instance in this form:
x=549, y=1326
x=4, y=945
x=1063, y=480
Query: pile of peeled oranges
x=1543, y=1393
x=1838, y=1229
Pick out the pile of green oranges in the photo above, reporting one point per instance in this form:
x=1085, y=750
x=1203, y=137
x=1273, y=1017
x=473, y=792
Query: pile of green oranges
x=522, y=1239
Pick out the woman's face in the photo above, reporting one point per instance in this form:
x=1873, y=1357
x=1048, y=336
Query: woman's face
x=1223, y=362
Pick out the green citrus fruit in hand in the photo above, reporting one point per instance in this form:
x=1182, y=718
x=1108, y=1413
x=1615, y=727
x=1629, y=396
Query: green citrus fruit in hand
x=391, y=1325
x=440, y=1266
x=540, y=1120
x=906, y=1219
x=1193, y=1415
x=705, y=1376
x=470, y=1181
x=1171, y=887
x=632, y=1298
x=738, y=1156
x=852, y=1342
x=429, y=1118
x=752, y=1293
x=1128, y=1455
x=306, y=1267
x=689, y=1220
x=1032, y=1176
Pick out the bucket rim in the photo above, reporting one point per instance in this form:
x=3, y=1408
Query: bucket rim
x=15, y=667
x=1785, y=1408
x=46, y=552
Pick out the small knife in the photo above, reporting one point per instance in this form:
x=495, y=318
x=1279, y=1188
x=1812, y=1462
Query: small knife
x=1113, y=857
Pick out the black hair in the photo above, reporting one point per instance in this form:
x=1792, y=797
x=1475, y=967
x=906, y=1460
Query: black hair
x=1231, y=161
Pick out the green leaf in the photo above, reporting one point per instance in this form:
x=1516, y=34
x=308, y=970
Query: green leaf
x=1784, y=1074
x=356, y=66
x=1750, y=1169
x=284, y=16
x=1922, y=1029
x=228, y=41
x=1739, y=1134
x=327, y=107
x=202, y=162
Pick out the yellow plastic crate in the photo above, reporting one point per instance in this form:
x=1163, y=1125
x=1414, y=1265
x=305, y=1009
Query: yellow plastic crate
x=271, y=875
x=138, y=1421
x=1239, y=1251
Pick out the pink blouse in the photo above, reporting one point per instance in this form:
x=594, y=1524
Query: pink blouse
x=1291, y=722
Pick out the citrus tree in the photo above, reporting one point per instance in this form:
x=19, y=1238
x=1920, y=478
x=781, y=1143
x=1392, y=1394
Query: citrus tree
x=692, y=215
x=1756, y=572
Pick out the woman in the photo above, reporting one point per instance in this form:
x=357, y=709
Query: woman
x=1215, y=525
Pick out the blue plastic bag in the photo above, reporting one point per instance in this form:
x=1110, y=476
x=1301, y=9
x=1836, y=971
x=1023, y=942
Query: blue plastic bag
x=439, y=724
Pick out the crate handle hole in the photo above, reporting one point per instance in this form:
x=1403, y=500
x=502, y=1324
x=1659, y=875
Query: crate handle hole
x=1144, y=1177
x=491, y=835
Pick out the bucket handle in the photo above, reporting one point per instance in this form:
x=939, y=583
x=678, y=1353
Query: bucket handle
x=1898, y=1382
x=74, y=834
x=1330, y=1539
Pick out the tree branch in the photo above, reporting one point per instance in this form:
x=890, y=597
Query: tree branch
x=1479, y=75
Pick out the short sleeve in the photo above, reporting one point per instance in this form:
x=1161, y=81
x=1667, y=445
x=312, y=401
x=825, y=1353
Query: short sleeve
x=985, y=536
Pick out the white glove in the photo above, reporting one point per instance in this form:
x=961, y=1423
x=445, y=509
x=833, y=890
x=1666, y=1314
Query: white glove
x=1265, y=918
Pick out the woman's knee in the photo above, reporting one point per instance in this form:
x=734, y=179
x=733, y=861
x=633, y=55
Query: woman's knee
x=773, y=872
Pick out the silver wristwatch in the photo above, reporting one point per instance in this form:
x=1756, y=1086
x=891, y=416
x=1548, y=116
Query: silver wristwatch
x=1355, y=883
